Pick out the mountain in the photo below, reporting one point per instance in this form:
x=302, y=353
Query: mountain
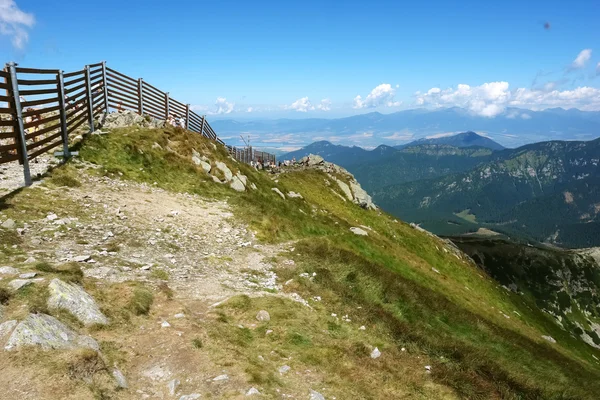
x=514, y=127
x=548, y=191
x=465, y=139
x=338, y=154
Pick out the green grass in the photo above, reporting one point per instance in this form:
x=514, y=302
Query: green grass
x=467, y=216
x=141, y=301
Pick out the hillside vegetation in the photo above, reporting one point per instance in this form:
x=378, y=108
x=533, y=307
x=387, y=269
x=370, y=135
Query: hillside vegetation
x=182, y=267
x=544, y=191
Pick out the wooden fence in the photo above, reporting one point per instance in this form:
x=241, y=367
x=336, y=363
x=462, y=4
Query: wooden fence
x=42, y=108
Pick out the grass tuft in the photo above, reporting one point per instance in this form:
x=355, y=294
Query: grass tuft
x=141, y=301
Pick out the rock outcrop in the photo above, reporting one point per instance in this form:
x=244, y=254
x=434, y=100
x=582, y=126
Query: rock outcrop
x=129, y=118
x=48, y=333
x=75, y=300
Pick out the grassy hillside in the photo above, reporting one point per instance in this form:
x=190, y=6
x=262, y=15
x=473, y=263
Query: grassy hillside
x=421, y=302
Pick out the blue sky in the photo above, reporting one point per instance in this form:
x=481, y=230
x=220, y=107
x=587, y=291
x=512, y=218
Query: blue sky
x=313, y=58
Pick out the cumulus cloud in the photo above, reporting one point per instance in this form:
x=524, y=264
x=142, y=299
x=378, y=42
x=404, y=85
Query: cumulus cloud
x=325, y=105
x=492, y=99
x=582, y=58
x=382, y=95
x=301, y=105
x=14, y=23
x=223, y=106
x=486, y=100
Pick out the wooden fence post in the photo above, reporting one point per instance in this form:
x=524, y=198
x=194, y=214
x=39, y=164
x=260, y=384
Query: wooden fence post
x=167, y=111
x=105, y=82
x=140, y=97
x=90, y=106
x=202, y=126
x=18, y=125
x=187, y=116
x=63, y=114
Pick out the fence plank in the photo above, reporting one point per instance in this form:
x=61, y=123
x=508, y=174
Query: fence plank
x=122, y=97
x=114, y=84
x=41, y=131
x=41, y=121
x=36, y=71
x=39, y=111
x=34, y=82
x=36, y=92
x=45, y=149
x=72, y=74
x=117, y=73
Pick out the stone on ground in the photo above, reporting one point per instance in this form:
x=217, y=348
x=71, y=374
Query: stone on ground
x=359, y=231
x=75, y=300
x=6, y=328
x=9, y=224
x=294, y=195
x=252, y=391
x=237, y=185
x=263, y=316
x=316, y=395
x=225, y=169
x=172, y=386
x=120, y=378
x=219, y=378
x=8, y=271
x=361, y=197
x=193, y=396
x=17, y=284
x=278, y=192
x=375, y=353
x=48, y=333
x=242, y=178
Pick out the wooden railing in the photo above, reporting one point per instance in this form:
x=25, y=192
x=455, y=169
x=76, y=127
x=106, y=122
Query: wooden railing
x=42, y=108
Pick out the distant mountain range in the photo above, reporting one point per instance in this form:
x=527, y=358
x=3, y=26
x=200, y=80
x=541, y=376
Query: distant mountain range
x=548, y=191
x=466, y=139
x=515, y=127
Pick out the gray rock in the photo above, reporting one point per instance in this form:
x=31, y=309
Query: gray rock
x=9, y=224
x=284, y=369
x=242, y=178
x=8, y=271
x=193, y=396
x=51, y=217
x=359, y=231
x=313, y=160
x=237, y=185
x=253, y=186
x=278, y=192
x=225, y=169
x=214, y=178
x=17, y=284
x=361, y=197
x=30, y=260
x=263, y=316
x=548, y=338
x=75, y=300
x=130, y=118
x=172, y=386
x=205, y=166
x=48, y=333
x=219, y=378
x=316, y=395
x=120, y=379
x=346, y=189
x=294, y=195
x=252, y=391
x=196, y=160
x=6, y=328
x=83, y=258
x=28, y=275
x=375, y=353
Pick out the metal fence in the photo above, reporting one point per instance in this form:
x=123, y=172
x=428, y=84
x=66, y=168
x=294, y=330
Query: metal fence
x=42, y=108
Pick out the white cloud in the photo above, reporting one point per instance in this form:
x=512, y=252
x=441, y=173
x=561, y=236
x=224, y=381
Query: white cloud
x=14, y=23
x=382, y=95
x=598, y=69
x=223, y=106
x=525, y=116
x=325, y=105
x=582, y=58
x=486, y=100
x=301, y=105
x=492, y=99
x=249, y=109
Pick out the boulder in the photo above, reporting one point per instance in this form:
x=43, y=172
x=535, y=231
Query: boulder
x=8, y=271
x=346, y=189
x=9, y=224
x=278, y=192
x=242, y=178
x=316, y=395
x=252, y=391
x=48, y=333
x=361, y=197
x=205, y=166
x=75, y=300
x=312, y=160
x=215, y=179
x=237, y=185
x=17, y=284
x=225, y=169
x=6, y=328
x=130, y=118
